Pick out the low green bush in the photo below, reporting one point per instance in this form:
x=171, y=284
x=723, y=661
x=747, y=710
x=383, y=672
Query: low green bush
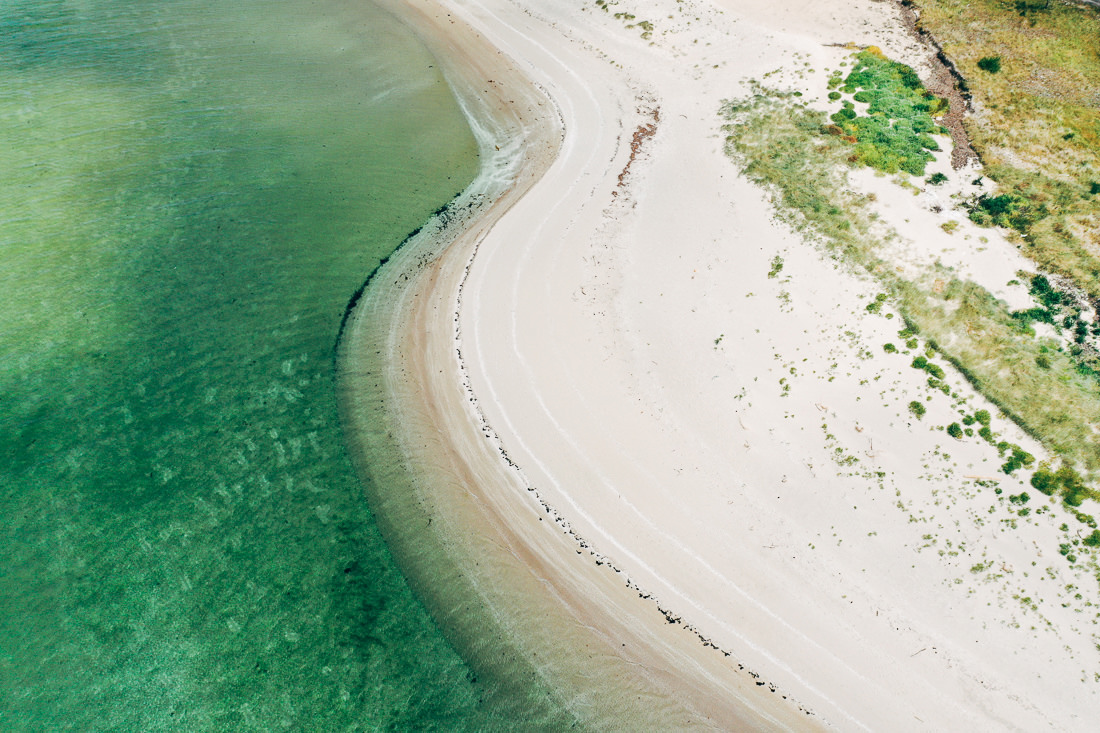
x=992, y=64
x=922, y=363
x=895, y=134
x=876, y=305
x=1066, y=482
x=1009, y=210
x=1019, y=458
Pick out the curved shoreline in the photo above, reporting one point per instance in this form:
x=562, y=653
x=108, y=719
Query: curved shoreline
x=608, y=654
x=579, y=343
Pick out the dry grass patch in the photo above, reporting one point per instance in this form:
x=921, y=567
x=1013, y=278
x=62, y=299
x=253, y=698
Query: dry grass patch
x=1037, y=118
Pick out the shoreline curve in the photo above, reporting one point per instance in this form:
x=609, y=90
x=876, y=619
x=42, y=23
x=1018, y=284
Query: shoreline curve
x=645, y=426
x=603, y=650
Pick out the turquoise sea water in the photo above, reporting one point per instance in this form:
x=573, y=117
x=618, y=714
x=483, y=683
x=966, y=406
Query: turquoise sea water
x=191, y=191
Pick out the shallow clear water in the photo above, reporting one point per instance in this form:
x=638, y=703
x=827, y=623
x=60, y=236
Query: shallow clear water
x=192, y=190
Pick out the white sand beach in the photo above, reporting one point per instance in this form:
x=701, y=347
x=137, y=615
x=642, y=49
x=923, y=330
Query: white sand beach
x=672, y=475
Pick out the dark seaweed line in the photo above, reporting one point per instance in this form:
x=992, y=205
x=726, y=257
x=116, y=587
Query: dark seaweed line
x=444, y=215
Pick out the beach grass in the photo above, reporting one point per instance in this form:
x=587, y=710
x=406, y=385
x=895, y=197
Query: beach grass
x=785, y=147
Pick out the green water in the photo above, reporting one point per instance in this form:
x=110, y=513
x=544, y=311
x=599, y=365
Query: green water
x=190, y=192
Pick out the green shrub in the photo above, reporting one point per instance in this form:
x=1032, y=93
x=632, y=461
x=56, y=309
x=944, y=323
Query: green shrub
x=983, y=417
x=934, y=370
x=1041, y=315
x=843, y=116
x=876, y=305
x=1060, y=309
x=1044, y=481
x=1027, y=201
x=1067, y=482
x=955, y=430
x=1019, y=459
x=937, y=179
x=992, y=64
x=917, y=409
x=1027, y=7
x=894, y=134
x=890, y=348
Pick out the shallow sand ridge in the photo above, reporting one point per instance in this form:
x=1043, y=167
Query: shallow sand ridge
x=605, y=347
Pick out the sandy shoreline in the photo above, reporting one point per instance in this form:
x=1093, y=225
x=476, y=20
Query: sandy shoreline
x=615, y=356
x=610, y=656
